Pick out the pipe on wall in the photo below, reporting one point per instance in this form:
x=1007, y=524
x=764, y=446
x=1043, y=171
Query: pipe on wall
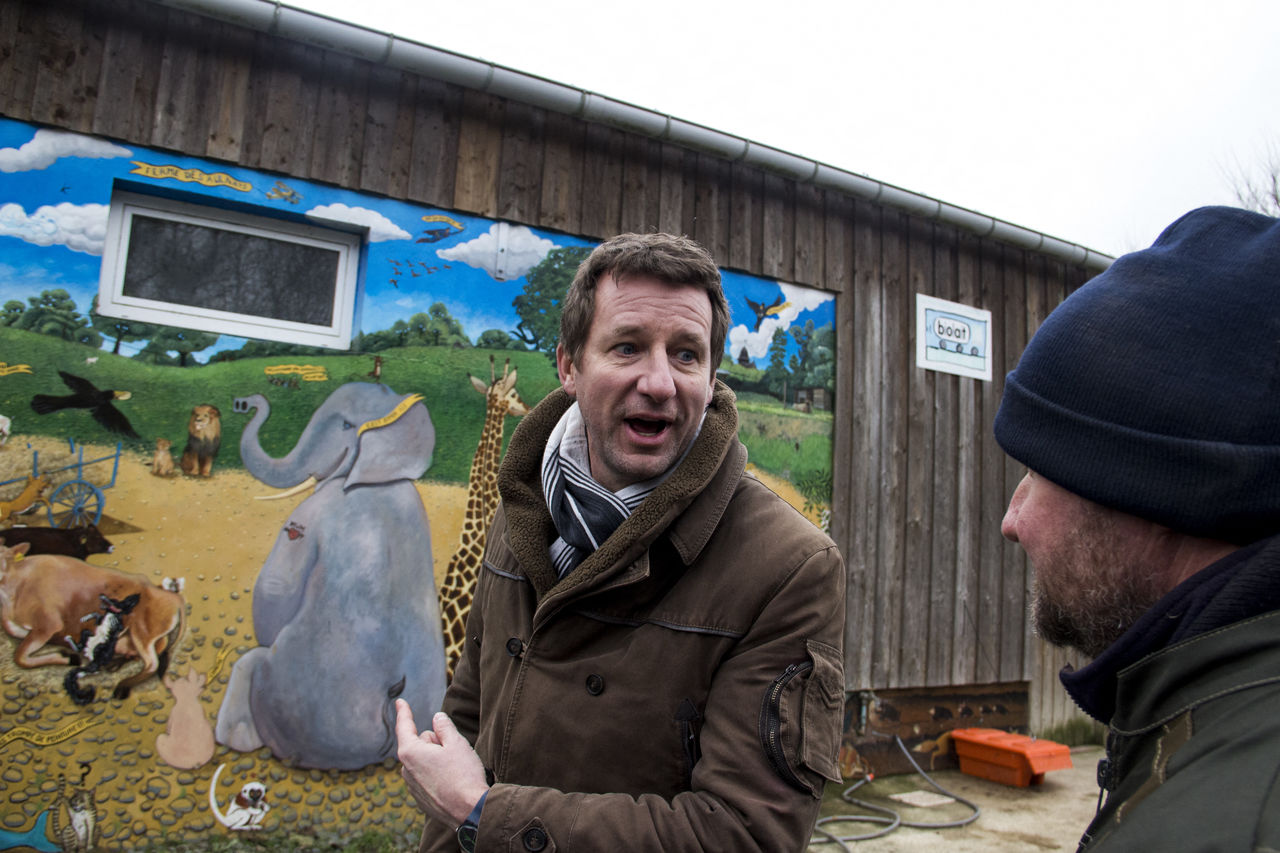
x=276, y=18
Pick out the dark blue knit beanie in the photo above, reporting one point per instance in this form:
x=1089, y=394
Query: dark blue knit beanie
x=1155, y=388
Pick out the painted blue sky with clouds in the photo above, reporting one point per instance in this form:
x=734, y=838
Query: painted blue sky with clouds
x=55, y=187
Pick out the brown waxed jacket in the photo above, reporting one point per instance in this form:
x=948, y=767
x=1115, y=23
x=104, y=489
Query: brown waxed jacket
x=681, y=690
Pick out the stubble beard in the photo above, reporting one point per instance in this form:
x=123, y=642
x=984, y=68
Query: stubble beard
x=1091, y=593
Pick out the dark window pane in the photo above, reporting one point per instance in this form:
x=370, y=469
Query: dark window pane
x=205, y=267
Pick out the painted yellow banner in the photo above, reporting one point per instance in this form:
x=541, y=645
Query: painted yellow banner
x=308, y=372
x=39, y=738
x=191, y=176
x=440, y=217
x=6, y=368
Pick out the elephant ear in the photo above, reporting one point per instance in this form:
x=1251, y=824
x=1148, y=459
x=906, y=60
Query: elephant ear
x=397, y=450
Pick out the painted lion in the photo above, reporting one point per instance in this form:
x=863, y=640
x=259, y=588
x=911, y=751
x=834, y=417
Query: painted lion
x=204, y=438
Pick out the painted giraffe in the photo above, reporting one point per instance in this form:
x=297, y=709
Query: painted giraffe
x=501, y=399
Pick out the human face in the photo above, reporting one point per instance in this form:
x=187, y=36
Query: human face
x=643, y=379
x=1096, y=569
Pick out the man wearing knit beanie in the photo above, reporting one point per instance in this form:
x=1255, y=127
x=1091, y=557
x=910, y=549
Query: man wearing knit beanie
x=1147, y=411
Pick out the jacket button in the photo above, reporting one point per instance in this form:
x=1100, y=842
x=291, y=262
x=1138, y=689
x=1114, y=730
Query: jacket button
x=515, y=647
x=595, y=685
x=535, y=840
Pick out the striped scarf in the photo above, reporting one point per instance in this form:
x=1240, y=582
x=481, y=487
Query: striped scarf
x=585, y=513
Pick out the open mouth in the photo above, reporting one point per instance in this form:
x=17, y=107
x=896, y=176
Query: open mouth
x=646, y=427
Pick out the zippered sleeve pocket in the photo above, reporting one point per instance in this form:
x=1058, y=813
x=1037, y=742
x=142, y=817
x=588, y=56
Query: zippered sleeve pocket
x=801, y=718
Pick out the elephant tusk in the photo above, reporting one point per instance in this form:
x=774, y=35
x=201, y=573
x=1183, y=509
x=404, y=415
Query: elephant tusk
x=308, y=483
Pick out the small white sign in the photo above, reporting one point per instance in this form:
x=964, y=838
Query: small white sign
x=953, y=338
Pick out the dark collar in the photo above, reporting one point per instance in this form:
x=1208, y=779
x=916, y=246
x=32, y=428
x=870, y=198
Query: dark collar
x=1243, y=584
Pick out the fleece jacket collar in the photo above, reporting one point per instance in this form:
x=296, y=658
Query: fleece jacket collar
x=687, y=505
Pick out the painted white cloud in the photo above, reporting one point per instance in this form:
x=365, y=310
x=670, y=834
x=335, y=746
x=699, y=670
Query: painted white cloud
x=82, y=227
x=380, y=227
x=48, y=145
x=796, y=299
x=505, y=251
x=803, y=298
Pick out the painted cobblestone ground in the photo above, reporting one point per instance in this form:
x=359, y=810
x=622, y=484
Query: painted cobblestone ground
x=214, y=535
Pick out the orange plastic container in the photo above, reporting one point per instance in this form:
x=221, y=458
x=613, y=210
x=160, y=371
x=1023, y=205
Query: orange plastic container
x=1007, y=758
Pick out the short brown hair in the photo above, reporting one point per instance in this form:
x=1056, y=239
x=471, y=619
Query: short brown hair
x=677, y=261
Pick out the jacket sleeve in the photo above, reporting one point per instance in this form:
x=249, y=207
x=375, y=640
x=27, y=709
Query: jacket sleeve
x=769, y=738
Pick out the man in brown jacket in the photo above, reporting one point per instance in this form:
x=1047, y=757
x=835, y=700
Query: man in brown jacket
x=656, y=642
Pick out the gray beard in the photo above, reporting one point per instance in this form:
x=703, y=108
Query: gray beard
x=1090, y=632
x=1090, y=599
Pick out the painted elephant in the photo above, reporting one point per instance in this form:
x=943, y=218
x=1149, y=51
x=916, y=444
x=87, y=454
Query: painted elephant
x=344, y=609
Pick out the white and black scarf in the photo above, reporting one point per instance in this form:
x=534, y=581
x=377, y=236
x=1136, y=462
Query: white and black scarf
x=585, y=513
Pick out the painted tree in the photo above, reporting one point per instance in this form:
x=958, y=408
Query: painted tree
x=182, y=341
x=269, y=349
x=445, y=327
x=538, y=306
x=120, y=329
x=813, y=364
x=12, y=313
x=497, y=339
x=776, y=375
x=434, y=327
x=820, y=360
x=54, y=313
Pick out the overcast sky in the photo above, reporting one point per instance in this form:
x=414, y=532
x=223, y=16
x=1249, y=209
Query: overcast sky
x=1098, y=122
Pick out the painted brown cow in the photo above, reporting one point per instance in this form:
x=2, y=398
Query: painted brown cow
x=45, y=597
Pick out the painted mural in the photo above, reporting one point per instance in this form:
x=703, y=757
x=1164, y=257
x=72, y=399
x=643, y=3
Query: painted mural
x=182, y=654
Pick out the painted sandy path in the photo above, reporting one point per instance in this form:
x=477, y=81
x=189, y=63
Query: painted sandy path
x=216, y=536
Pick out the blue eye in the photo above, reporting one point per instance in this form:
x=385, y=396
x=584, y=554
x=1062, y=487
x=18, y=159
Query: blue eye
x=626, y=349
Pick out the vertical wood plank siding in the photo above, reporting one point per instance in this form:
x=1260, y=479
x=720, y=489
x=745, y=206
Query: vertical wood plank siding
x=936, y=597
x=941, y=533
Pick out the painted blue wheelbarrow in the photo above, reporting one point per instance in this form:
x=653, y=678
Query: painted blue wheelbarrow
x=76, y=501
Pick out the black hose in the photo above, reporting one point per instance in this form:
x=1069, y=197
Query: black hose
x=890, y=819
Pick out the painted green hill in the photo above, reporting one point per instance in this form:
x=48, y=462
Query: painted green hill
x=163, y=395
x=781, y=441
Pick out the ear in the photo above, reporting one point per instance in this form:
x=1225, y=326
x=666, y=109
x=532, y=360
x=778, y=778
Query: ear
x=401, y=450
x=478, y=385
x=565, y=368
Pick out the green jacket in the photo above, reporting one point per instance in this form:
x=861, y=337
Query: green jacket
x=1193, y=758
x=681, y=690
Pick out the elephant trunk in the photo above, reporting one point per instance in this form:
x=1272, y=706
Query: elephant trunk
x=282, y=473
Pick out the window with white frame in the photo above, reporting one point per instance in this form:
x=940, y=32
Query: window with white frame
x=224, y=270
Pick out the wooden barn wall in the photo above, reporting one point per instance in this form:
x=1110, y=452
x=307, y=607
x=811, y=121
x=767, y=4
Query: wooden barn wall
x=936, y=597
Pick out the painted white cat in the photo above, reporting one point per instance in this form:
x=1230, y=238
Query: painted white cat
x=248, y=808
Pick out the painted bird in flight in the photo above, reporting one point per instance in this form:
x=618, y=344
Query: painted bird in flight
x=87, y=396
x=763, y=311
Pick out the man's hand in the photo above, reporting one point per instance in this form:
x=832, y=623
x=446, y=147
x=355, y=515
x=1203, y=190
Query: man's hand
x=443, y=772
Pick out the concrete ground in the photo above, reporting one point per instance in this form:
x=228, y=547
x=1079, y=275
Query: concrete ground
x=1050, y=816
